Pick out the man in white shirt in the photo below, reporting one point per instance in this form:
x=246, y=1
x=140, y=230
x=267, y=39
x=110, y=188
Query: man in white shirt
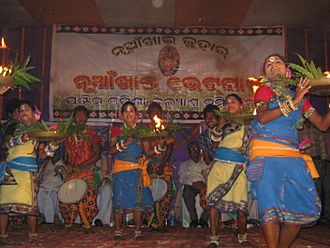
x=50, y=182
x=191, y=176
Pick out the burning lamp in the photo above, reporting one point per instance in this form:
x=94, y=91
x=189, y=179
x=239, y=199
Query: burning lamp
x=14, y=74
x=326, y=74
x=158, y=124
x=6, y=79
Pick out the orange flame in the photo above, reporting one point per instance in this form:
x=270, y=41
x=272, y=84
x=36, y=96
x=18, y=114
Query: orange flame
x=254, y=88
x=253, y=79
x=158, y=123
x=326, y=74
x=3, y=43
x=4, y=71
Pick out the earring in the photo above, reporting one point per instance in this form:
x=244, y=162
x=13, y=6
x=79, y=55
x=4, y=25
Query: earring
x=288, y=73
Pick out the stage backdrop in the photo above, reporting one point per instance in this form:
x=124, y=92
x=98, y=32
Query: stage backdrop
x=182, y=68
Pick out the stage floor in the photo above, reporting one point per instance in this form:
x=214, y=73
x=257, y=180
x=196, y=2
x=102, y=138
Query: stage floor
x=178, y=237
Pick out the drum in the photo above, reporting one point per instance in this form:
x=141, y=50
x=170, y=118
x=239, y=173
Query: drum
x=72, y=191
x=158, y=188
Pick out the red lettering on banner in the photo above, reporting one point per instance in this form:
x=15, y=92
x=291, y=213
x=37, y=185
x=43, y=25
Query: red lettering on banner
x=112, y=80
x=210, y=83
x=83, y=83
x=242, y=83
x=100, y=82
x=191, y=83
x=125, y=82
x=174, y=83
x=230, y=84
x=149, y=83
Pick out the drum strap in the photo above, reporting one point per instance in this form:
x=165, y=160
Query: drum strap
x=121, y=165
x=83, y=215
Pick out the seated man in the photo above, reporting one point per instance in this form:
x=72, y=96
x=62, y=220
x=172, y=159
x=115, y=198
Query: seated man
x=104, y=196
x=191, y=177
x=51, y=178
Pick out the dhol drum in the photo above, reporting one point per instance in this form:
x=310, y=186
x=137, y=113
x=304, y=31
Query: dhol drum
x=158, y=188
x=72, y=191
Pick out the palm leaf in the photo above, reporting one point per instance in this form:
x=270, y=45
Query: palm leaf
x=312, y=69
x=303, y=71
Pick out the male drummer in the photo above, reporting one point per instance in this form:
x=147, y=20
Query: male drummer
x=83, y=150
x=193, y=179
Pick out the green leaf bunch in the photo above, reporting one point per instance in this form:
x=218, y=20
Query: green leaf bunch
x=70, y=128
x=309, y=70
x=34, y=127
x=21, y=75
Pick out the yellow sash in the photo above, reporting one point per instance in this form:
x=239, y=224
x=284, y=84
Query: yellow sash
x=262, y=148
x=121, y=165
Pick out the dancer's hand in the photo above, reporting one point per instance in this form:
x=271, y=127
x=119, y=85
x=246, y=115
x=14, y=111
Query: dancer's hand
x=301, y=90
x=4, y=89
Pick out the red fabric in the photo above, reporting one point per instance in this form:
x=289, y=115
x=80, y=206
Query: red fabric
x=80, y=150
x=306, y=105
x=263, y=93
x=115, y=131
x=70, y=212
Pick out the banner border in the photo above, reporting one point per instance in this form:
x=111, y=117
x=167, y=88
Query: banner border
x=229, y=31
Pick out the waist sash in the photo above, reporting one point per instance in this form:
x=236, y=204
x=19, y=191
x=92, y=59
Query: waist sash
x=229, y=155
x=262, y=148
x=121, y=165
x=19, y=163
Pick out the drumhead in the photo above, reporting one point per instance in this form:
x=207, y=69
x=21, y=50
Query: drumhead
x=158, y=188
x=72, y=191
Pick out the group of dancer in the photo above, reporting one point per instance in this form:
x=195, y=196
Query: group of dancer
x=262, y=155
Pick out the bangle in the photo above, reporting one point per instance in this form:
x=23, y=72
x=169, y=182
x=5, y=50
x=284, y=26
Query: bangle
x=14, y=141
x=215, y=139
x=216, y=133
x=161, y=149
x=309, y=112
x=122, y=144
x=156, y=150
x=51, y=148
x=293, y=106
x=50, y=154
x=283, y=108
x=118, y=147
x=49, y=151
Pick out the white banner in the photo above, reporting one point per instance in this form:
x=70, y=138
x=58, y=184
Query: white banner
x=183, y=69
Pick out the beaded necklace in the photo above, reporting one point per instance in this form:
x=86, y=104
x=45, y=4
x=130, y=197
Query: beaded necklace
x=280, y=89
x=283, y=93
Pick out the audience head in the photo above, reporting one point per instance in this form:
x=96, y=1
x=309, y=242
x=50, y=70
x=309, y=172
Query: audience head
x=233, y=103
x=210, y=117
x=194, y=151
x=154, y=108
